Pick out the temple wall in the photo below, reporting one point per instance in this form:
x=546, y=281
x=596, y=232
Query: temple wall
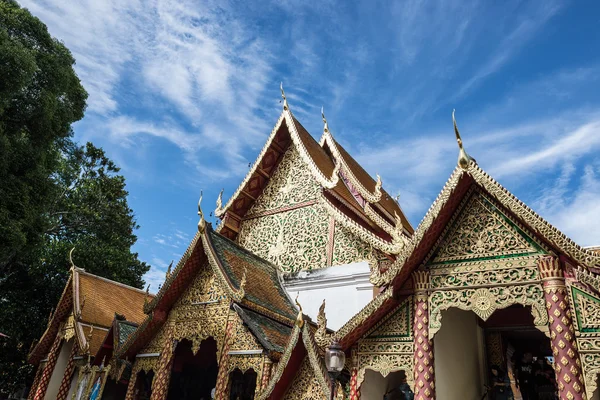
x=346, y=291
x=458, y=357
x=59, y=370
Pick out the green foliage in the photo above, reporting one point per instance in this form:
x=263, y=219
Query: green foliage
x=54, y=195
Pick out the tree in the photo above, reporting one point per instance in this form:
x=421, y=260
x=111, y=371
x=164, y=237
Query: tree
x=54, y=195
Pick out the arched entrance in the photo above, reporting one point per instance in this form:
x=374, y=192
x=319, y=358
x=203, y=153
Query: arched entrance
x=376, y=386
x=193, y=376
x=467, y=348
x=242, y=385
x=143, y=385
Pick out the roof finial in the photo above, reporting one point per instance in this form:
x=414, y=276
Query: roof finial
x=168, y=274
x=463, y=158
x=300, y=317
x=285, y=104
x=326, y=127
x=239, y=294
x=202, y=222
x=378, y=185
x=220, y=199
x=71, y=258
x=321, y=336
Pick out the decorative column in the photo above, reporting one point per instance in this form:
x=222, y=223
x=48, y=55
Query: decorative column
x=48, y=369
x=266, y=375
x=223, y=375
x=65, y=384
x=130, y=395
x=567, y=364
x=354, y=389
x=423, y=357
x=160, y=384
x=36, y=381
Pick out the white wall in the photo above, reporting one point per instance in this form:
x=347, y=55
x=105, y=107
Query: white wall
x=375, y=386
x=346, y=289
x=59, y=370
x=458, y=352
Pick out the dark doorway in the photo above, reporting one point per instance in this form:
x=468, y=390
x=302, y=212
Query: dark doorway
x=242, y=385
x=194, y=376
x=114, y=390
x=143, y=385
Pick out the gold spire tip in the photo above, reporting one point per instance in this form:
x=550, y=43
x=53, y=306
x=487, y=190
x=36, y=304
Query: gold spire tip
x=463, y=158
x=202, y=222
x=285, y=104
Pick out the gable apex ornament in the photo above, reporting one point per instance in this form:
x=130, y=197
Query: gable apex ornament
x=300, y=317
x=71, y=259
x=463, y=158
x=326, y=126
x=202, y=222
x=285, y=103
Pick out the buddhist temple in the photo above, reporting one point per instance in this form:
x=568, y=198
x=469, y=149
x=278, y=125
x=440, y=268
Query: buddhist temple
x=480, y=287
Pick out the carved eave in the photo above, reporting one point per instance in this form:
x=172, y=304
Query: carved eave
x=393, y=246
x=287, y=131
x=295, y=352
x=441, y=210
x=375, y=196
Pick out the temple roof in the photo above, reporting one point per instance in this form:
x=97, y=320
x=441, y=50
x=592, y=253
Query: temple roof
x=252, y=283
x=337, y=173
x=93, y=302
x=116, y=336
x=432, y=226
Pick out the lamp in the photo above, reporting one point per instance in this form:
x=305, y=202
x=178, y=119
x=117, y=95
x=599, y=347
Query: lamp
x=335, y=359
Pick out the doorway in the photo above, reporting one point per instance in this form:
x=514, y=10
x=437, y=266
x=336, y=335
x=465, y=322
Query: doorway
x=242, y=385
x=194, y=376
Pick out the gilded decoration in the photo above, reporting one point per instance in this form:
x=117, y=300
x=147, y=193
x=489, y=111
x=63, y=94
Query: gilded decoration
x=349, y=248
x=484, y=301
x=67, y=331
x=481, y=231
x=397, y=327
x=280, y=366
x=243, y=339
x=245, y=362
x=290, y=184
x=591, y=370
x=305, y=385
x=586, y=309
x=385, y=364
x=294, y=240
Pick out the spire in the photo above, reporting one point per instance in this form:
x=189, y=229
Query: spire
x=285, y=103
x=326, y=126
x=463, y=158
x=71, y=258
x=300, y=317
x=202, y=222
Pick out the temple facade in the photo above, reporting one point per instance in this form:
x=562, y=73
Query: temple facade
x=483, y=283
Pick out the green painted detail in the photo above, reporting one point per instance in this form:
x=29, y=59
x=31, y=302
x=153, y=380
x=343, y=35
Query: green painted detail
x=581, y=325
x=396, y=326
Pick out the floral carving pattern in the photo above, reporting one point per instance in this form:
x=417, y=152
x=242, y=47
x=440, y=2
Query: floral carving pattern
x=305, y=385
x=481, y=232
x=293, y=240
x=348, y=248
x=290, y=184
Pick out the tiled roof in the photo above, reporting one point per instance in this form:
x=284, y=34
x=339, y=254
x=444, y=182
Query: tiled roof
x=125, y=329
x=263, y=286
x=319, y=156
x=272, y=335
x=104, y=298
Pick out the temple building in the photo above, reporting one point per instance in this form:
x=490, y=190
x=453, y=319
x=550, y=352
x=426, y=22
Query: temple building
x=483, y=283
x=89, y=308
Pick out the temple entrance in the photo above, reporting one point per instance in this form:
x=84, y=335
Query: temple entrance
x=242, y=386
x=194, y=376
x=504, y=357
x=143, y=385
x=376, y=387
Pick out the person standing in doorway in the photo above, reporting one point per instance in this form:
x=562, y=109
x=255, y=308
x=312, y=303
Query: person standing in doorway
x=525, y=378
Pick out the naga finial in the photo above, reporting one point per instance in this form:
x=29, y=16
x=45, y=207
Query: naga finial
x=300, y=317
x=168, y=274
x=463, y=158
x=378, y=185
x=147, y=295
x=326, y=126
x=220, y=199
x=202, y=222
x=285, y=103
x=239, y=294
x=321, y=336
x=71, y=258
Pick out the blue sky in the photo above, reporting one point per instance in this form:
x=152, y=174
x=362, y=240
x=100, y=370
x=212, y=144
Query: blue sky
x=184, y=93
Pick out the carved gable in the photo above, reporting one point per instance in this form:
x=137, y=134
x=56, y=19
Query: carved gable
x=587, y=310
x=305, y=385
x=292, y=183
x=348, y=248
x=397, y=327
x=481, y=231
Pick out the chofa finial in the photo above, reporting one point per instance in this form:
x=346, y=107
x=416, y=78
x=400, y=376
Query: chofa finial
x=463, y=158
x=202, y=222
x=220, y=199
x=168, y=274
x=71, y=258
x=285, y=104
x=326, y=126
x=300, y=317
